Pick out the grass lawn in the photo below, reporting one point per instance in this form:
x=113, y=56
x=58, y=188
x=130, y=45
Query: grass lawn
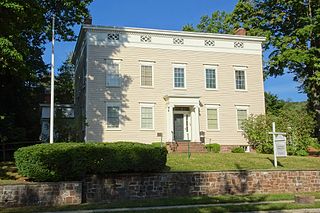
x=181, y=201
x=237, y=161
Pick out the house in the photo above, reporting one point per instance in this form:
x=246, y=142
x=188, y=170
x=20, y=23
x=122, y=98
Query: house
x=145, y=85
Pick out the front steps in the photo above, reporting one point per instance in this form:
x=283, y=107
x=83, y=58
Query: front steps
x=182, y=147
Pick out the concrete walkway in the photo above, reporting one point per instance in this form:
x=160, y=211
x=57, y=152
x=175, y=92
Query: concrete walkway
x=197, y=206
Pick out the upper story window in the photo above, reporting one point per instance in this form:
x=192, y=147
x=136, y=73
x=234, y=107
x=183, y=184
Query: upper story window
x=240, y=79
x=178, y=41
x=146, y=74
x=242, y=115
x=113, y=76
x=179, y=76
x=113, y=36
x=211, y=77
x=113, y=116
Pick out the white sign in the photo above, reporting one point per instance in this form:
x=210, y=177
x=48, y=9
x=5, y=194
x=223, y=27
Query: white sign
x=281, y=146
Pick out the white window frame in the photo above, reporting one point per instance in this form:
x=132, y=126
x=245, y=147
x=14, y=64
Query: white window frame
x=241, y=107
x=244, y=69
x=217, y=107
x=185, y=76
x=111, y=62
x=113, y=104
x=147, y=105
x=147, y=64
x=214, y=67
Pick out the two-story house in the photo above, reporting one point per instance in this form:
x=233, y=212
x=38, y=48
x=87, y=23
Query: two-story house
x=137, y=84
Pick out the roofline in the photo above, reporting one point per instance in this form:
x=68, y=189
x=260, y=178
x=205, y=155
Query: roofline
x=174, y=33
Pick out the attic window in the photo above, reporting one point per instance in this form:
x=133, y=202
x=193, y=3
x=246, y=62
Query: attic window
x=145, y=38
x=238, y=44
x=178, y=41
x=113, y=36
x=209, y=43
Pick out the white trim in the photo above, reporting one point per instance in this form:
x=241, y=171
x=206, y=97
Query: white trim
x=241, y=107
x=86, y=90
x=237, y=68
x=147, y=63
x=113, y=104
x=215, y=68
x=147, y=105
x=217, y=107
x=173, y=33
x=176, y=65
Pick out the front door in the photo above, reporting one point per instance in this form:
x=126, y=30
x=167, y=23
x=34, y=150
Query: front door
x=178, y=127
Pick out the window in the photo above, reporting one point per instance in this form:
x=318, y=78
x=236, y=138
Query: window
x=179, y=77
x=242, y=115
x=146, y=75
x=211, y=78
x=146, y=116
x=112, y=77
x=240, y=78
x=212, y=119
x=113, y=116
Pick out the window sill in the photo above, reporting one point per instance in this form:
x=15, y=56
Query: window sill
x=180, y=88
x=147, y=87
x=213, y=130
x=115, y=129
x=241, y=90
x=147, y=129
x=209, y=89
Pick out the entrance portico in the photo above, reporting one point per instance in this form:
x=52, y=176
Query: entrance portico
x=183, y=118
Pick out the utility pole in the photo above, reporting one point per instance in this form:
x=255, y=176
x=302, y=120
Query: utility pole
x=52, y=85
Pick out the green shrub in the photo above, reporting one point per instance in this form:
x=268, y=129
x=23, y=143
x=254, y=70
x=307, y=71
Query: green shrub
x=214, y=147
x=237, y=150
x=72, y=161
x=158, y=144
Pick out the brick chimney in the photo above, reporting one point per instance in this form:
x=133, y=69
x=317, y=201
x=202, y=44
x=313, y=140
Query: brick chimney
x=241, y=31
x=88, y=20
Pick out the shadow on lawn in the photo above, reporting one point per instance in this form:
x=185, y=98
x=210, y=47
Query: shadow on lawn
x=272, y=161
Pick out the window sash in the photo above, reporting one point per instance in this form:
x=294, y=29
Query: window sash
x=212, y=118
x=211, y=78
x=240, y=79
x=242, y=115
x=179, y=76
x=146, y=117
x=146, y=75
x=113, y=77
x=113, y=117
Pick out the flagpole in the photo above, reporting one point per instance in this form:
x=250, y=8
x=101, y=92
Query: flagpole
x=52, y=85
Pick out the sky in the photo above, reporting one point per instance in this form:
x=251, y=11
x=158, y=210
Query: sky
x=169, y=15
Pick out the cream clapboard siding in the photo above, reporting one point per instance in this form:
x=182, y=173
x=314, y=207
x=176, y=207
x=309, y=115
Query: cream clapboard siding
x=132, y=94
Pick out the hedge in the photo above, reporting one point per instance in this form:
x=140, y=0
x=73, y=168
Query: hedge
x=214, y=147
x=237, y=149
x=73, y=161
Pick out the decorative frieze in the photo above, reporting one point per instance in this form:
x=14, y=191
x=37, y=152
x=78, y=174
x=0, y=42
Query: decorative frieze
x=145, y=38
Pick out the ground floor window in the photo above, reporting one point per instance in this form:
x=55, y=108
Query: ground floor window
x=113, y=116
x=146, y=116
x=212, y=118
x=242, y=115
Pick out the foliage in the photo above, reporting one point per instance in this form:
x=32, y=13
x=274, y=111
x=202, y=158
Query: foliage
x=25, y=29
x=72, y=161
x=296, y=122
x=237, y=150
x=214, y=147
x=272, y=103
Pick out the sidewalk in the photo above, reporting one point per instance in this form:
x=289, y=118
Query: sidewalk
x=197, y=206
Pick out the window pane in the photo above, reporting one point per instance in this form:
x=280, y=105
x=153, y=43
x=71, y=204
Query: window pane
x=242, y=115
x=113, y=117
x=146, y=75
x=212, y=118
x=240, y=79
x=146, y=117
x=113, y=79
x=179, y=77
x=211, y=78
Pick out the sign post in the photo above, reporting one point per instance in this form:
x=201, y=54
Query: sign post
x=279, y=144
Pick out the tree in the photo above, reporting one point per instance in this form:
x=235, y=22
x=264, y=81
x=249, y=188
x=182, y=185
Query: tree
x=292, y=28
x=25, y=28
x=64, y=83
x=272, y=103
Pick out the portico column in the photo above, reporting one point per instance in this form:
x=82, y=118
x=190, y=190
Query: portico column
x=170, y=123
x=195, y=125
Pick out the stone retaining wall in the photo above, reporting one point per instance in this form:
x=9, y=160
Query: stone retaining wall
x=162, y=185
x=41, y=194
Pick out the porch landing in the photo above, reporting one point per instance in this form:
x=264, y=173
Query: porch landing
x=182, y=147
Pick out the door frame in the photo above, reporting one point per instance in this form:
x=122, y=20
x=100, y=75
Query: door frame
x=186, y=124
